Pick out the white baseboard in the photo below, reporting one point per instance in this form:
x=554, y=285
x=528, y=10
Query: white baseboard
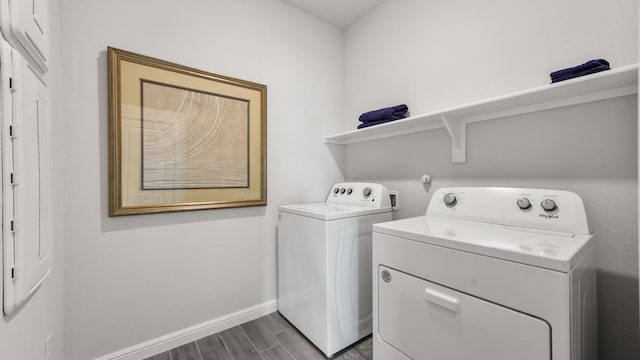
x=181, y=337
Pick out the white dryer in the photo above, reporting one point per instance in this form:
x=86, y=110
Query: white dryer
x=487, y=274
x=324, y=264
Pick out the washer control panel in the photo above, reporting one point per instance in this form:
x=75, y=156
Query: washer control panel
x=553, y=210
x=361, y=194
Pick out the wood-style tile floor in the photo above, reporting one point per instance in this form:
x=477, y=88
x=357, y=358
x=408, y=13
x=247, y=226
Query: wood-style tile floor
x=267, y=338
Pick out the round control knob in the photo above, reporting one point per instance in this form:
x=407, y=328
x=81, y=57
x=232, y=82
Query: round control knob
x=548, y=205
x=349, y=191
x=450, y=199
x=524, y=203
x=366, y=191
x=336, y=190
x=342, y=191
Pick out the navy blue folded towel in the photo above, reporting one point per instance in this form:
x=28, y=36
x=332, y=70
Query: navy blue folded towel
x=390, y=113
x=590, y=67
x=372, y=123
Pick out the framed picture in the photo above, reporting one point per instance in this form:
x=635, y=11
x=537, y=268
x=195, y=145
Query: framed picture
x=181, y=138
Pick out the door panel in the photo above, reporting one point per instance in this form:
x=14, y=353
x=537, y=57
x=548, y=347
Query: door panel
x=27, y=230
x=424, y=321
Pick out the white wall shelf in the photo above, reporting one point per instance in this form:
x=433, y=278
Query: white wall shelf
x=609, y=84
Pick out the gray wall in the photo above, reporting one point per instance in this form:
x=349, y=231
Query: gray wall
x=446, y=53
x=134, y=279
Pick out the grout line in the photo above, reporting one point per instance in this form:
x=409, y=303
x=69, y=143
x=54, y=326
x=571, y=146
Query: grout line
x=279, y=319
x=270, y=347
x=284, y=347
x=225, y=346
x=251, y=341
x=354, y=355
x=198, y=348
x=269, y=330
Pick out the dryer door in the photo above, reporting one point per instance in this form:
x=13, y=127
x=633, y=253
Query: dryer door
x=424, y=320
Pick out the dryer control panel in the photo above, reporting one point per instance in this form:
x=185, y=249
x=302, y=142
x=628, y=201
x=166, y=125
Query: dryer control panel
x=553, y=210
x=361, y=194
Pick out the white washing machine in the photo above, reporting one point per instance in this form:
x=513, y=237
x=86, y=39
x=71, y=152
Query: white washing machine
x=324, y=264
x=487, y=274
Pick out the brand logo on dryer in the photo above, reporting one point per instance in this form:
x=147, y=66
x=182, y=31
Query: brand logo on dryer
x=548, y=216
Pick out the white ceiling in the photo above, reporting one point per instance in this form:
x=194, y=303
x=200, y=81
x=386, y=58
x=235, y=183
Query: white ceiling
x=341, y=13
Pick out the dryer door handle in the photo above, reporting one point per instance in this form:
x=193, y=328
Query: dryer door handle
x=446, y=301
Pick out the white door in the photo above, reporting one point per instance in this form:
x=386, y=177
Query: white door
x=426, y=321
x=26, y=173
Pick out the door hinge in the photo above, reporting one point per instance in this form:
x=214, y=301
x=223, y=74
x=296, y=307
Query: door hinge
x=12, y=226
x=13, y=273
x=13, y=84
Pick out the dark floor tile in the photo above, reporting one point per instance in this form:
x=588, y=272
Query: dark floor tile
x=212, y=348
x=277, y=352
x=298, y=346
x=345, y=356
x=274, y=323
x=259, y=335
x=186, y=352
x=270, y=337
x=363, y=351
x=239, y=344
x=162, y=356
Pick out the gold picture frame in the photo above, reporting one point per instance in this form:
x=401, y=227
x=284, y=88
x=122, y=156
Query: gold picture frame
x=181, y=138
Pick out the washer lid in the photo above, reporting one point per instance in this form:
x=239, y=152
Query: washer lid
x=326, y=211
x=546, y=249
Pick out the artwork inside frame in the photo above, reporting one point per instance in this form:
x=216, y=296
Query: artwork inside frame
x=181, y=138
